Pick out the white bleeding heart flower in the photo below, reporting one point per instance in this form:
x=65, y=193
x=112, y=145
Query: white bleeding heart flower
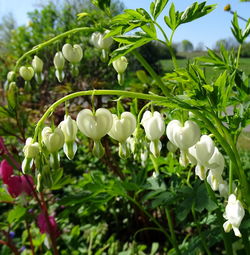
x=37, y=64
x=203, y=150
x=53, y=140
x=214, y=180
x=26, y=73
x=30, y=149
x=59, y=60
x=73, y=54
x=98, y=40
x=10, y=76
x=216, y=163
x=154, y=127
x=120, y=64
x=153, y=124
x=69, y=129
x=122, y=127
x=234, y=214
x=183, y=136
x=171, y=147
x=94, y=125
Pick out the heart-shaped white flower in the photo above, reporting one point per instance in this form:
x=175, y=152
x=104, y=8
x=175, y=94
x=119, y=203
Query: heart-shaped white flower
x=27, y=73
x=183, y=136
x=72, y=54
x=53, y=140
x=153, y=124
x=30, y=149
x=94, y=126
x=124, y=127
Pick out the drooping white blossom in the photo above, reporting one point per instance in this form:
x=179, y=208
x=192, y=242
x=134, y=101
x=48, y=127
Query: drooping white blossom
x=234, y=214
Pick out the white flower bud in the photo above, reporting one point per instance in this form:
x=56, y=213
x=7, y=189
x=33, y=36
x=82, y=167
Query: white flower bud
x=234, y=214
x=10, y=76
x=26, y=73
x=183, y=136
x=72, y=54
x=153, y=124
x=124, y=127
x=98, y=40
x=95, y=125
x=30, y=149
x=37, y=64
x=69, y=129
x=53, y=140
x=120, y=65
x=59, y=61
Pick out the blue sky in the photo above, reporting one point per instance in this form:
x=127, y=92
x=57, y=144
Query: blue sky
x=208, y=29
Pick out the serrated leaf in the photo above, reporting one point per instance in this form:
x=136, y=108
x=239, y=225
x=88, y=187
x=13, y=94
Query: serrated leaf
x=195, y=11
x=122, y=51
x=15, y=214
x=157, y=7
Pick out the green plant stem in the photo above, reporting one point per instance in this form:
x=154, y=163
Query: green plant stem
x=54, y=39
x=151, y=71
x=129, y=94
x=238, y=56
x=171, y=229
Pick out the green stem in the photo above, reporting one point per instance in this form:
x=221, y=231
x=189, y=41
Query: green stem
x=238, y=56
x=171, y=229
x=129, y=94
x=54, y=39
x=151, y=71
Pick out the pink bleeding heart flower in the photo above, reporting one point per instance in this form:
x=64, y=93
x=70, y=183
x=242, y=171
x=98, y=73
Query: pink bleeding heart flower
x=19, y=184
x=6, y=170
x=43, y=226
x=15, y=187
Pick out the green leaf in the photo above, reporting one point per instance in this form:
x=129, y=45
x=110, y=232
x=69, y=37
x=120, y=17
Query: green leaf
x=157, y=7
x=122, y=51
x=236, y=29
x=4, y=196
x=15, y=214
x=195, y=11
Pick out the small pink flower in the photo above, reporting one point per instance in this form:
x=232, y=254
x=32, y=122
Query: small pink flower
x=42, y=224
x=6, y=170
x=15, y=186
